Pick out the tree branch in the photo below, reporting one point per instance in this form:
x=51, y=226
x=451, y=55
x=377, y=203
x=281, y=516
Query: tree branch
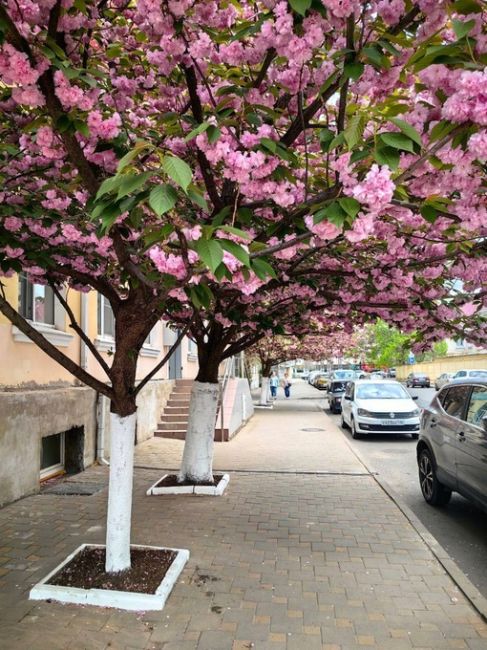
x=79, y=331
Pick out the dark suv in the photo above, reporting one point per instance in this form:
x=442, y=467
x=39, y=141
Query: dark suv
x=417, y=379
x=452, y=447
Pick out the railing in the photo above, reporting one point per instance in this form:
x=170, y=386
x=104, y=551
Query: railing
x=228, y=371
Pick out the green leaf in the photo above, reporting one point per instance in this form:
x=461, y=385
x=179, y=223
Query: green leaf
x=350, y=205
x=397, y=141
x=109, y=185
x=159, y=235
x=429, y=213
x=337, y=141
x=467, y=7
x=262, y=269
x=353, y=70
x=213, y=133
x=441, y=129
x=201, y=296
x=132, y=154
x=270, y=145
x=376, y=58
x=130, y=183
x=162, y=198
x=407, y=129
x=334, y=213
x=221, y=272
x=178, y=170
x=199, y=129
x=210, y=252
x=387, y=156
x=353, y=132
x=461, y=28
x=300, y=6
x=220, y=217
x=197, y=197
x=236, y=231
x=237, y=251
x=82, y=127
x=326, y=136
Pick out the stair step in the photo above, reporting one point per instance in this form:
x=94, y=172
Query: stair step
x=177, y=402
x=175, y=417
x=175, y=410
x=170, y=426
x=178, y=435
x=184, y=382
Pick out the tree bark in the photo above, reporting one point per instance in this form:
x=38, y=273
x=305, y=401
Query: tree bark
x=197, y=462
x=122, y=439
x=264, y=391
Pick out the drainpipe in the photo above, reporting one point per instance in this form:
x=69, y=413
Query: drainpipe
x=84, y=327
x=100, y=429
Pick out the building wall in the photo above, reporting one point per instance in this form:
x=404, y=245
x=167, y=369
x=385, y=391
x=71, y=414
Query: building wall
x=25, y=418
x=445, y=364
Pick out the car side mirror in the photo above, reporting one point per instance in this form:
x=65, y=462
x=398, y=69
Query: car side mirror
x=484, y=423
x=348, y=397
x=415, y=397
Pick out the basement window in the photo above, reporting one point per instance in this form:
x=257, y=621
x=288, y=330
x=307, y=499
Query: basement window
x=52, y=455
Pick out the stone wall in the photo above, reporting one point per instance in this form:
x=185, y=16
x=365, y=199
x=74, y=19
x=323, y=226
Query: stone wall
x=445, y=364
x=25, y=418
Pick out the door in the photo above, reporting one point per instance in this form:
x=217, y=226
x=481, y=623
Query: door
x=471, y=458
x=443, y=431
x=347, y=402
x=175, y=366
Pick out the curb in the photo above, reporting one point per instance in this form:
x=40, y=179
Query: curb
x=469, y=590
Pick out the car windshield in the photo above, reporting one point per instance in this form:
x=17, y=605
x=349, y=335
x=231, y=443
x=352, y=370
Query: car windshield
x=344, y=374
x=382, y=391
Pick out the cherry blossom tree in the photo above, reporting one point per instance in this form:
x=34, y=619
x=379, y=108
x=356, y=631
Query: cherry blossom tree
x=273, y=350
x=167, y=153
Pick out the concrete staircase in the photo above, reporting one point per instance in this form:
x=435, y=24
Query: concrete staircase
x=174, y=420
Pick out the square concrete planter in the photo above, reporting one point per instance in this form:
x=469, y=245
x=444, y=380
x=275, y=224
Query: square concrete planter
x=208, y=490
x=128, y=600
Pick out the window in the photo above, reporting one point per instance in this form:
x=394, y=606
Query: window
x=477, y=409
x=52, y=455
x=106, y=319
x=454, y=399
x=36, y=301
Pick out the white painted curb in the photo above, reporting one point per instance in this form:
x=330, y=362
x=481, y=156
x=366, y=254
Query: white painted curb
x=207, y=490
x=128, y=600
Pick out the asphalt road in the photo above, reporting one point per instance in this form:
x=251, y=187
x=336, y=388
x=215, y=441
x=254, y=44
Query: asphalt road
x=460, y=527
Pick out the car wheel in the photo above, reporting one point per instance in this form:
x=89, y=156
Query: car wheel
x=343, y=424
x=355, y=434
x=434, y=492
x=415, y=436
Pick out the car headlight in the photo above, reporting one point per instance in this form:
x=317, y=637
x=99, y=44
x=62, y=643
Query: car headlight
x=416, y=412
x=364, y=413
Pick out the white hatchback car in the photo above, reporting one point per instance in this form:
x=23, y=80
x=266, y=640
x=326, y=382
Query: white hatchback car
x=379, y=406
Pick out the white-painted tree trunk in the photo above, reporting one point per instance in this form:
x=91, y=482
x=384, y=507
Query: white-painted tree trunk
x=197, y=463
x=122, y=441
x=264, y=391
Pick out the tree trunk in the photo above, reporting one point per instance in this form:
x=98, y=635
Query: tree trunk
x=197, y=462
x=264, y=391
x=122, y=439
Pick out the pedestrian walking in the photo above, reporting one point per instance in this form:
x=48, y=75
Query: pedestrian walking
x=274, y=383
x=286, y=383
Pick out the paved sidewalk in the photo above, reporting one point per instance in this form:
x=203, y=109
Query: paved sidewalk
x=311, y=554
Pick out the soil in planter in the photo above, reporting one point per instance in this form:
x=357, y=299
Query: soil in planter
x=87, y=571
x=171, y=480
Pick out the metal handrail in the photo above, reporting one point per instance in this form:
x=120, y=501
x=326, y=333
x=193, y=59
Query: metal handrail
x=228, y=371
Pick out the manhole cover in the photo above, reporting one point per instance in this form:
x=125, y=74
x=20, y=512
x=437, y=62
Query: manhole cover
x=312, y=429
x=74, y=489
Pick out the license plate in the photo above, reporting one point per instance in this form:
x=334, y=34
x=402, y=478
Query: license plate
x=391, y=423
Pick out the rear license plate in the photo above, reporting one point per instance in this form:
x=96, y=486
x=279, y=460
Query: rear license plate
x=392, y=423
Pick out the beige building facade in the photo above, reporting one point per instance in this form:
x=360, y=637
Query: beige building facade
x=49, y=423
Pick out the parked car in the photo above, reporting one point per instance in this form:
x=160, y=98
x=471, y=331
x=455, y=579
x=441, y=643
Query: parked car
x=452, y=446
x=312, y=375
x=335, y=392
x=391, y=373
x=443, y=379
x=379, y=406
x=470, y=374
x=321, y=381
x=378, y=374
x=415, y=379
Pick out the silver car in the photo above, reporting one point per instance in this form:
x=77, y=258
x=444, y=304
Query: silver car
x=452, y=447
